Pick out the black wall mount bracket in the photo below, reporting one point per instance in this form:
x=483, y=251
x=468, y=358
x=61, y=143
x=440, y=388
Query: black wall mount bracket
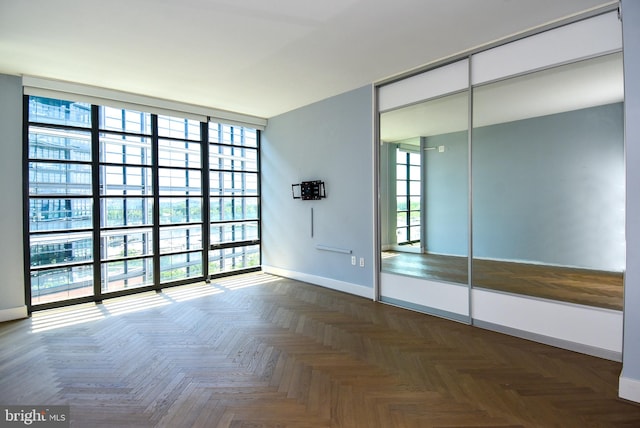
x=309, y=190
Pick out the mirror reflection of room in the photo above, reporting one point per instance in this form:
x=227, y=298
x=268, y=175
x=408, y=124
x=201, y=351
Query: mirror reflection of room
x=547, y=185
x=424, y=164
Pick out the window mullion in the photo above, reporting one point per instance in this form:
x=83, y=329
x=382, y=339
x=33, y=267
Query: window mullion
x=97, y=214
x=155, y=174
x=206, y=198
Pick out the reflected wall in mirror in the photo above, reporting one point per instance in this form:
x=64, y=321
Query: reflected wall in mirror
x=424, y=189
x=548, y=183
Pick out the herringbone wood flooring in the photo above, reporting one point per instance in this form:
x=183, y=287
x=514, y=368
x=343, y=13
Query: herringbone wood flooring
x=263, y=351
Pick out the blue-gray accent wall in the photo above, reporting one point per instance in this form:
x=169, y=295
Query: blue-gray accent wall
x=331, y=140
x=546, y=190
x=447, y=194
x=631, y=339
x=551, y=189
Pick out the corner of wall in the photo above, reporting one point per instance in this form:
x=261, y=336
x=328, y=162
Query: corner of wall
x=629, y=389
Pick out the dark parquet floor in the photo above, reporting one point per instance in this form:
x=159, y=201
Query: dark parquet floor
x=263, y=351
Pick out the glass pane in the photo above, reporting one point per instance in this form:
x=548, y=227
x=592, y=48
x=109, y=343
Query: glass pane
x=549, y=186
x=414, y=217
x=414, y=202
x=233, y=158
x=224, y=209
x=53, y=285
x=183, y=154
x=116, y=119
x=401, y=188
x=125, y=180
x=59, y=179
x=414, y=173
x=180, y=182
x=402, y=235
x=59, y=144
x=125, y=149
x=233, y=183
x=127, y=274
x=231, y=134
x=401, y=218
x=415, y=188
x=175, y=127
x=116, y=244
x=184, y=238
x=59, y=112
x=60, y=214
x=401, y=203
x=414, y=233
x=414, y=159
x=401, y=172
x=126, y=212
x=231, y=232
x=231, y=259
x=180, y=210
x=180, y=266
x=61, y=248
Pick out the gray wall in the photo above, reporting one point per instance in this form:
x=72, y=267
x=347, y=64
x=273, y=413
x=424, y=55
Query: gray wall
x=631, y=40
x=447, y=194
x=551, y=189
x=11, y=245
x=548, y=190
x=331, y=140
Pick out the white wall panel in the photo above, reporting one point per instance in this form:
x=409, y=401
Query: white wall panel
x=583, y=39
x=430, y=84
x=441, y=296
x=590, y=326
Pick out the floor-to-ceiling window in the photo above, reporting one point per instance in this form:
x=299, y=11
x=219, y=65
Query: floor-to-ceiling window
x=117, y=200
x=126, y=199
x=234, y=198
x=408, y=182
x=60, y=200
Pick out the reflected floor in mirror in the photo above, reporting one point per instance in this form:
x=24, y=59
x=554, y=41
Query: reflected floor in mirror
x=581, y=286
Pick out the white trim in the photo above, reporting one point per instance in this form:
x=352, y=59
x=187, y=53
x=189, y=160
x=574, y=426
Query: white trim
x=334, y=284
x=97, y=95
x=442, y=296
x=629, y=389
x=430, y=84
x=552, y=341
x=584, y=39
x=11, y=314
x=586, y=325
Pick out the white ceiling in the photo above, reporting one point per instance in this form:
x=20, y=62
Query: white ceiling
x=256, y=57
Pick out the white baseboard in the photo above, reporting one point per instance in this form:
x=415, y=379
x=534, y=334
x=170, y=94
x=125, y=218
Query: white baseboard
x=13, y=313
x=629, y=389
x=594, y=329
x=334, y=284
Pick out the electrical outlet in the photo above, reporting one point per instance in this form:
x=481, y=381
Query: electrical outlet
x=353, y=260
x=361, y=261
